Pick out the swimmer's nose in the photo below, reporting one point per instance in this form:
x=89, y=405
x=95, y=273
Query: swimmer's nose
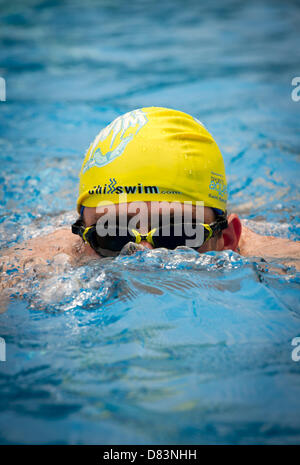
x=131, y=247
x=146, y=244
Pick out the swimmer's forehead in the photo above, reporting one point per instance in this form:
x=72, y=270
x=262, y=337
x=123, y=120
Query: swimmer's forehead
x=146, y=208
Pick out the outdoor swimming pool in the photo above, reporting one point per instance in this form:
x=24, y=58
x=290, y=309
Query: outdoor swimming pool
x=163, y=346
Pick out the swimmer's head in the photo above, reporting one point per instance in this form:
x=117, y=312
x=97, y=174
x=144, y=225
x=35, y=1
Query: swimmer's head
x=153, y=154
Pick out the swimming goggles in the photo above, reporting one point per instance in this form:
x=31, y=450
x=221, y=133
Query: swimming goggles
x=162, y=236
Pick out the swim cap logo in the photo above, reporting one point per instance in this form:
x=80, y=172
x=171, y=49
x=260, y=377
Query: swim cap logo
x=112, y=185
x=114, y=188
x=218, y=184
x=133, y=120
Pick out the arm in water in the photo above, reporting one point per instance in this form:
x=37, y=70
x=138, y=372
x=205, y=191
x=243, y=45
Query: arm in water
x=270, y=248
x=41, y=255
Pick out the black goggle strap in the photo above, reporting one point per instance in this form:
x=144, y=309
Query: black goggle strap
x=85, y=233
x=219, y=225
x=77, y=227
x=211, y=229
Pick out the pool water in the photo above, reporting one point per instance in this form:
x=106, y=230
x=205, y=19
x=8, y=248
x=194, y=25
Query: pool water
x=161, y=346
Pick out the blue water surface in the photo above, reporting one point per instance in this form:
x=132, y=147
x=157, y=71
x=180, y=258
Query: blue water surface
x=161, y=346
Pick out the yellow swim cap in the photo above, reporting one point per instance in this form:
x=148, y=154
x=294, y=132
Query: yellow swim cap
x=153, y=154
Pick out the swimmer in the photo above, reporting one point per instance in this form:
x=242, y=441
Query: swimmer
x=147, y=157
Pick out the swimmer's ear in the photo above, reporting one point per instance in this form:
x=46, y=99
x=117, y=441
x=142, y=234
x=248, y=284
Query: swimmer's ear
x=232, y=234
